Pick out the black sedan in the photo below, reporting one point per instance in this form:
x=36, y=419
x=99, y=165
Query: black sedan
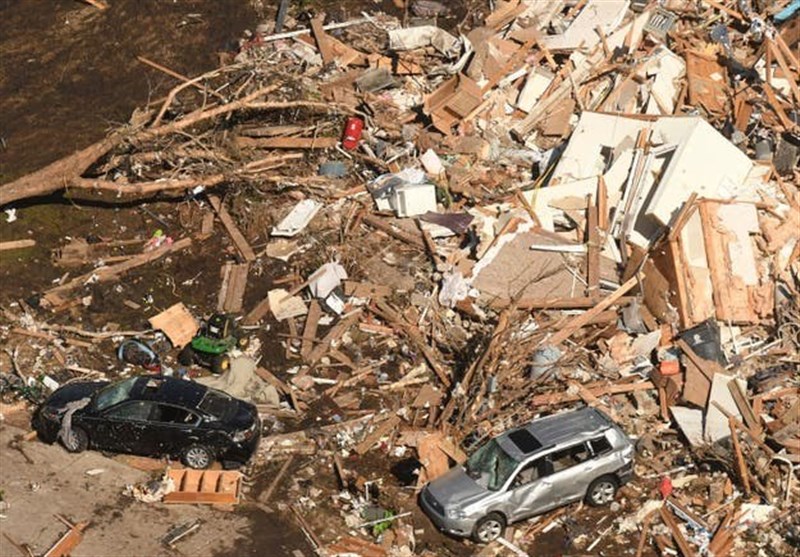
x=151, y=416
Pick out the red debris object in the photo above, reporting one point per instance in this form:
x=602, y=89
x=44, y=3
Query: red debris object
x=665, y=487
x=670, y=367
x=352, y=133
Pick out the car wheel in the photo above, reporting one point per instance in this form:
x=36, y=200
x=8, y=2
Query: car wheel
x=221, y=363
x=197, y=457
x=489, y=528
x=243, y=342
x=186, y=356
x=601, y=491
x=77, y=441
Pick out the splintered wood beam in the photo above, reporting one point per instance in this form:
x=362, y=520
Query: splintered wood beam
x=580, y=320
x=383, y=429
x=310, y=328
x=741, y=466
x=669, y=520
x=235, y=234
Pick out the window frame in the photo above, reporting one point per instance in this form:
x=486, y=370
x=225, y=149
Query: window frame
x=195, y=423
x=110, y=413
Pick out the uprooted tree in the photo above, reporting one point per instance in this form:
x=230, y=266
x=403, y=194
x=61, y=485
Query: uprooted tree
x=190, y=155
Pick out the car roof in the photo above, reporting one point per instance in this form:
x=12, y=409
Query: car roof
x=170, y=390
x=577, y=426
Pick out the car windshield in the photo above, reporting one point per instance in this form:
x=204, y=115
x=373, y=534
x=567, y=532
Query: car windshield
x=114, y=394
x=490, y=466
x=215, y=404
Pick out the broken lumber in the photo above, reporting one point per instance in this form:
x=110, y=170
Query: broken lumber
x=55, y=296
x=383, y=429
x=233, y=231
x=579, y=321
x=17, y=244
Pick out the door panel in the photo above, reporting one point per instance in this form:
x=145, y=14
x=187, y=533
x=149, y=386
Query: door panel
x=124, y=428
x=531, y=490
x=176, y=428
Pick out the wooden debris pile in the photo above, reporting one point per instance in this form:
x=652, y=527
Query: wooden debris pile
x=437, y=238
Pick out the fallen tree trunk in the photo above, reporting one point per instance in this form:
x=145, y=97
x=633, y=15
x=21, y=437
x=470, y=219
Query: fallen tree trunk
x=67, y=172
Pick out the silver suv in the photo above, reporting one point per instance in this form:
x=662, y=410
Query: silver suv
x=526, y=471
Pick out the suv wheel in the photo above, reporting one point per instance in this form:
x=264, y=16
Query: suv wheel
x=197, y=457
x=489, y=528
x=77, y=441
x=601, y=491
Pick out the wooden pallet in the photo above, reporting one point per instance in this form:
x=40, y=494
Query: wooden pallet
x=218, y=487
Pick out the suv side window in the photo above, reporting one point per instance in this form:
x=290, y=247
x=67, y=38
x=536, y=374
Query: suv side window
x=531, y=472
x=600, y=445
x=174, y=415
x=569, y=457
x=136, y=410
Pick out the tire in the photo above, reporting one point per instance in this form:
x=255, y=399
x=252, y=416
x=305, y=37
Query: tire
x=489, y=528
x=78, y=441
x=602, y=491
x=220, y=364
x=186, y=356
x=197, y=457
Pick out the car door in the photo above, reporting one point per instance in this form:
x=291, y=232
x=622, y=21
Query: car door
x=176, y=428
x=530, y=491
x=123, y=427
x=569, y=478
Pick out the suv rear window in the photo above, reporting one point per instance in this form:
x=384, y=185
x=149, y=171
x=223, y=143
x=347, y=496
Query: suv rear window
x=215, y=404
x=524, y=441
x=600, y=445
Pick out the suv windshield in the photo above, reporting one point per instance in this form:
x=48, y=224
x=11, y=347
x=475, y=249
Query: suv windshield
x=114, y=393
x=490, y=466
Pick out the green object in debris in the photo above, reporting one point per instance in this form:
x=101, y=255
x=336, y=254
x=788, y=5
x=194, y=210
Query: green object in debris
x=381, y=527
x=210, y=347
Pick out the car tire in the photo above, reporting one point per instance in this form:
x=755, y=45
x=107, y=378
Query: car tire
x=197, y=457
x=78, y=441
x=220, y=364
x=602, y=491
x=489, y=528
x=186, y=356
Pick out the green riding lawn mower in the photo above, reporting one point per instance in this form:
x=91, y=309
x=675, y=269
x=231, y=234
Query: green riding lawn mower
x=210, y=347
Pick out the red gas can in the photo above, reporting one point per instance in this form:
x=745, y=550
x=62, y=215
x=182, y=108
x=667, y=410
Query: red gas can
x=352, y=133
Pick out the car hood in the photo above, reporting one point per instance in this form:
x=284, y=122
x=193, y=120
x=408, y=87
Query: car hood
x=72, y=392
x=456, y=488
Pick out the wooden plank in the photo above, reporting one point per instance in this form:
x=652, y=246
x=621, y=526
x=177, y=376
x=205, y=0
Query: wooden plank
x=286, y=142
x=69, y=541
x=366, y=289
x=748, y=415
x=55, y=296
x=195, y=497
x=310, y=329
x=234, y=283
x=602, y=204
x=209, y=481
x=17, y=244
x=334, y=334
x=560, y=397
x=580, y=320
x=778, y=55
x=402, y=235
x=383, y=429
x=594, y=247
x=645, y=529
x=707, y=367
x=267, y=495
x=413, y=333
x=233, y=231
x=321, y=38
x=669, y=520
x=591, y=400
x=737, y=451
x=257, y=313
